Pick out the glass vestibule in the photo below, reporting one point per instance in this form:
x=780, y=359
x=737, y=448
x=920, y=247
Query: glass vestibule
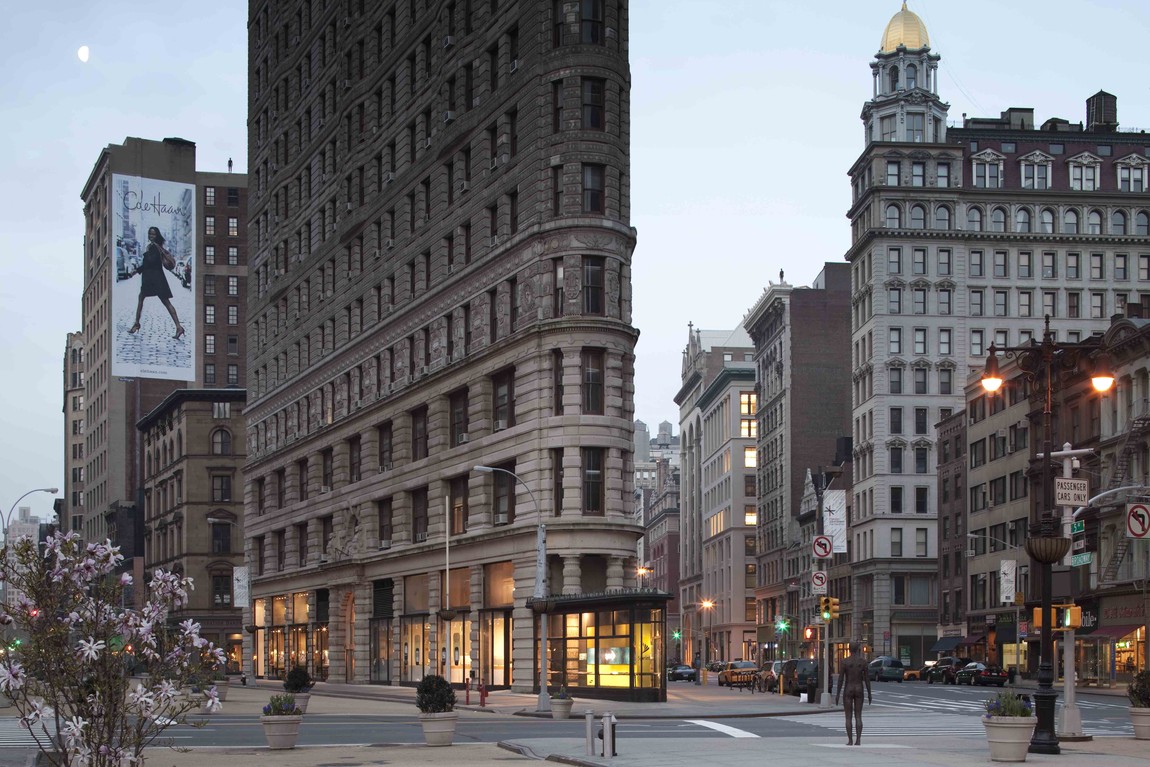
x=458, y=639
x=415, y=647
x=494, y=648
x=618, y=650
x=319, y=652
x=381, y=636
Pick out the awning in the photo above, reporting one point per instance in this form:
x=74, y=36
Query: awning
x=1112, y=632
x=969, y=641
x=946, y=644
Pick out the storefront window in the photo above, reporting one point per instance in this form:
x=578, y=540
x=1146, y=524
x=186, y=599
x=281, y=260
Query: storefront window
x=381, y=650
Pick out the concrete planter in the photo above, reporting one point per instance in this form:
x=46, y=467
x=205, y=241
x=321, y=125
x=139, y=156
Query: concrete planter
x=1009, y=736
x=561, y=708
x=281, y=731
x=439, y=729
x=301, y=699
x=1140, y=718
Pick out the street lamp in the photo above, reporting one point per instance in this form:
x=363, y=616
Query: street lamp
x=1040, y=363
x=8, y=518
x=642, y=571
x=539, y=603
x=709, y=606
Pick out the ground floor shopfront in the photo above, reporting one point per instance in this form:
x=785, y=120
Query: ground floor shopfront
x=467, y=626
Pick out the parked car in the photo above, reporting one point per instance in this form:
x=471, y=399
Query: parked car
x=796, y=674
x=915, y=674
x=980, y=674
x=769, y=676
x=886, y=669
x=728, y=671
x=945, y=669
x=682, y=671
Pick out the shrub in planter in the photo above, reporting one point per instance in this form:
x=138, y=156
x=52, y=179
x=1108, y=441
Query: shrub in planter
x=298, y=680
x=1138, y=690
x=434, y=695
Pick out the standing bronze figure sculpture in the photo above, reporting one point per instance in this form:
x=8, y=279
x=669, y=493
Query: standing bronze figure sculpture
x=852, y=678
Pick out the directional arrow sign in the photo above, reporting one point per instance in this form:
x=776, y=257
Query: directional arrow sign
x=822, y=547
x=819, y=582
x=1137, y=521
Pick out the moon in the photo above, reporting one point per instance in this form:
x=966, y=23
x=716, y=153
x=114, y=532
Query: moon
x=82, y=54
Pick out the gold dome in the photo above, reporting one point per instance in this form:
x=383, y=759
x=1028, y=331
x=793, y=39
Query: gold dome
x=905, y=28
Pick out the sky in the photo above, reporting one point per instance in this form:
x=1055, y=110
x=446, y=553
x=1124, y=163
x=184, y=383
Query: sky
x=744, y=122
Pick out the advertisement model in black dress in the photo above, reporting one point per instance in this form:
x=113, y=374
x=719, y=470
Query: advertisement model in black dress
x=152, y=279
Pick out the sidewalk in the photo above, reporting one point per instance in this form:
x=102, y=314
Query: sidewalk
x=685, y=701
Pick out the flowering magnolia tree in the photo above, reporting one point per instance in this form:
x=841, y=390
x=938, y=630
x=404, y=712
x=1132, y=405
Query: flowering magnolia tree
x=69, y=675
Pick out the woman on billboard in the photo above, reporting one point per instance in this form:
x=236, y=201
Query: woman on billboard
x=153, y=281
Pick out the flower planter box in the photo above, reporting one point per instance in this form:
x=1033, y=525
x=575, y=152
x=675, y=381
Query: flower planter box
x=561, y=708
x=439, y=729
x=1009, y=736
x=281, y=731
x=1140, y=718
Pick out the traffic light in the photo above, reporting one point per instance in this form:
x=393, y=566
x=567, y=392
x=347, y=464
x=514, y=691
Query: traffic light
x=676, y=635
x=833, y=603
x=809, y=633
x=1036, y=622
x=825, y=609
x=1072, y=617
x=781, y=625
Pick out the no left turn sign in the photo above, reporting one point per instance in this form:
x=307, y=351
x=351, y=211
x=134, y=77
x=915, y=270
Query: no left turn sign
x=1137, y=520
x=822, y=547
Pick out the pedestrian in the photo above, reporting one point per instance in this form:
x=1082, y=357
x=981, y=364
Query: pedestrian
x=852, y=677
x=153, y=282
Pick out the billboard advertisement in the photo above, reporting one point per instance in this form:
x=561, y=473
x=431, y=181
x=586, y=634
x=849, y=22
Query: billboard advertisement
x=153, y=321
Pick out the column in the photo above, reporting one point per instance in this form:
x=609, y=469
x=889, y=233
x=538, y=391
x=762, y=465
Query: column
x=572, y=575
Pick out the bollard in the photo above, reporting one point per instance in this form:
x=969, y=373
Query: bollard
x=482, y=694
x=467, y=692
x=589, y=718
x=812, y=691
x=607, y=733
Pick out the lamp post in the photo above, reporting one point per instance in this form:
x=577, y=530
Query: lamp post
x=642, y=572
x=1040, y=364
x=8, y=517
x=539, y=597
x=709, y=606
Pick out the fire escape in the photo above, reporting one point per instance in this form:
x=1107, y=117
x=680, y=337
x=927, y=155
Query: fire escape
x=1129, y=444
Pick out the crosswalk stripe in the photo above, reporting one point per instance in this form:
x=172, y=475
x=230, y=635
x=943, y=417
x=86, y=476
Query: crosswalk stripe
x=725, y=729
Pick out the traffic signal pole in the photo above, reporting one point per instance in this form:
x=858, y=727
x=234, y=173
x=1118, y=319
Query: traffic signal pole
x=825, y=698
x=1071, y=717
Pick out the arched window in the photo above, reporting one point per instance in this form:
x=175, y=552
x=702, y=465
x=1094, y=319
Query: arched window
x=221, y=442
x=1118, y=222
x=917, y=217
x=1047, y=221
x=1022, y=220
x=1070, y=222
x=1142, y=224
x=942, y=217
x=1094, y=223
x=893, y=79
x=998, y=220
x=911, y=76
x=893, y=217
x=974, y=219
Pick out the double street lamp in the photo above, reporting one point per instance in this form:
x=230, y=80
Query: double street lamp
x=1042, y=364
x=709, y=606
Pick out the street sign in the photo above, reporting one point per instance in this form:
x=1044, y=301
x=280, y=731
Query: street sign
x=1082, y=559
x=1137, y=521
x=1080, y=544
x=822, y=547
x=819, y=582
x=1071, y=492
x=1077, y=526
x=1019, y=598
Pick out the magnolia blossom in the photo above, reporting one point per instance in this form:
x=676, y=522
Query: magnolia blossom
x=125, y=579
x=73, y=730
x=11, y=677
x=212, y=704
x=90, y=648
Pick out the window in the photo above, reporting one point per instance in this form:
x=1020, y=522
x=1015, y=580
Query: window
x=593, y=376
x=986, y=174
x=895, y=341
x=918, y=261
x=233, y=315
x=209, y=195
x=892, y=173
x=594, y=103
x=383, y=434
x=915, y=126
x=1118, y=223
x=209, y=254
x=895, y=381
x=942, y=172
x=457, y=403
x=977, y=264
x=893, y=217
x=419, y=433
x=221, y=536
x=896, y=420
x=1022, y=220
x=894, y=261
x=1131, y=178
x=920, y=381
x=221, y=442
x=419, y=514
x=920, y=341
x=974, y=219
x=896, y=460
x=594, y=492
x=1121, y=266
x=1001, y=303
x=209, y=343
x=1049, y=265
x=233, y=286
x=944, y=342
x=1094, y=222
x=209, y=314
x=920, y=542
x=917, y=217
x=594, y=199
x=944, y=262
x=1035, y=175
x=919, y=295
x=1070, y=222
x=976, y=307
x=998, y=220
x=887, y=128
x=233, y=227
x=1142, y=224
x=210, y=225
x=221, y=588
x=946, y=381
x=593, y=285
x=503, y=398
x=209, y=373
x=504, y=501
x=591, y=22
x=920, y=420
x=457, y=503
x=918, y=174
x=1025, y=262
x=221, y=488
x=894, y=300
x=750, y=458
x=942, y=217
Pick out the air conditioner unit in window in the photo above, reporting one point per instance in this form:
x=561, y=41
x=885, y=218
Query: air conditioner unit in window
x=385, y=544
x=1002, y=433
x=448, y=41
x=385, y=466
x=448, y=116
x=349, y=205
x=970, y=553
x=500, y=424
x=610, y=32
x=464, y=438
x=464, y=186
x=1023, y=424
x=494, y=163
x=179, y=499
x=501, y=518
x=475, y=102
x=297, y=315
x=375, y=253
x=427, y=143
x=494, y=240
x=514, y=65
x=423, y=370
x=356, y=404
x=389, y=243
x=324, y=489
x=323, y=560
x=420, y=537
x=389, y=177
x=354, y=477
x=276, y=273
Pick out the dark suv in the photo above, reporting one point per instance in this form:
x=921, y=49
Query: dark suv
x=796, y=673
x=945, y=669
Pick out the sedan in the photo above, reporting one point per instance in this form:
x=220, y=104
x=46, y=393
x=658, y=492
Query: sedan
x=732, y=669
x=916, y=674
x=682, y=671
x=980, y=674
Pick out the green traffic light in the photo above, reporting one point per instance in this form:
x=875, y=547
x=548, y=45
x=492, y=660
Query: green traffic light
x=676, y=635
